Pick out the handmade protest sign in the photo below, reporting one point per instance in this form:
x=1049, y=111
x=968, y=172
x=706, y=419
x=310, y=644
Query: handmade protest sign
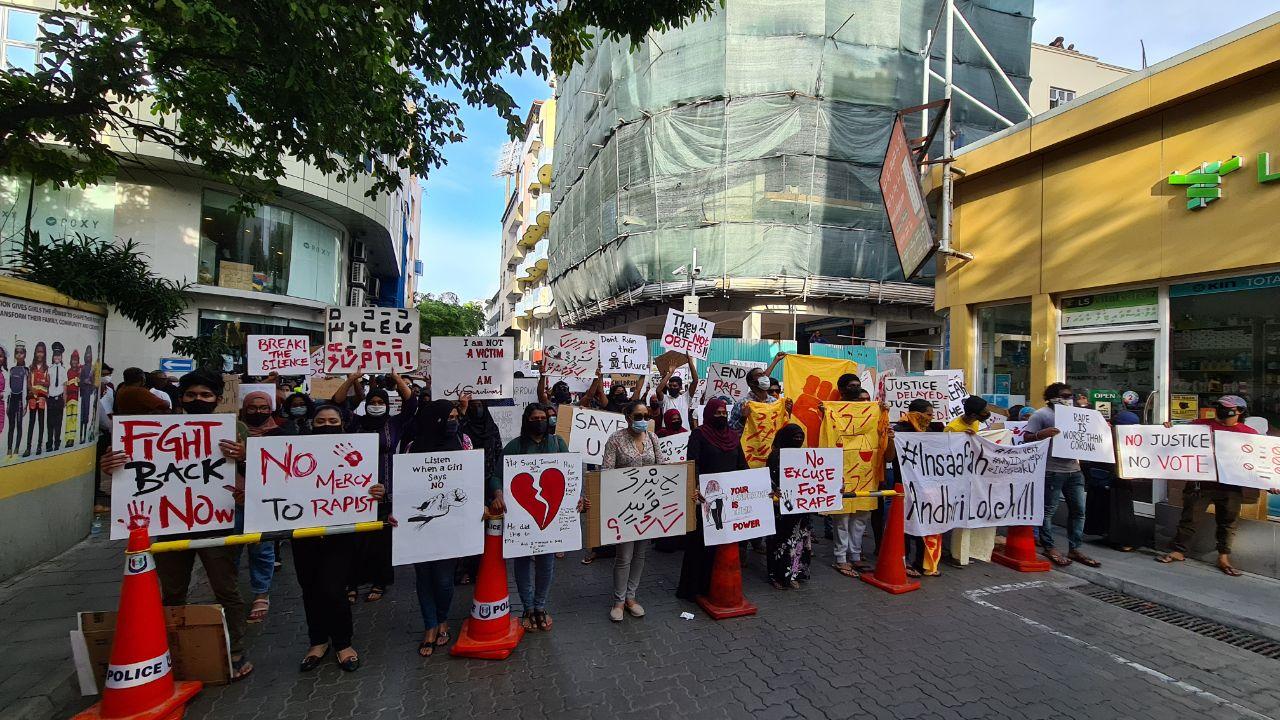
x=810, y=479
x=482, y=366
x=527, y=368
x=571, y=354
x=954, y=480
x=524, y=392
x=1083, y=435
x=439, y=503
x=810, y=381
x=1247, y=460
x=737, y=506
x=508, y=420
x=541, y=493
x=243, y=389
x=177, y=478
x=1181, y=452
x=282, y=354
x=760, y=422
x=372, y=339
x=725, y=381
x=675, y=448
x=309, y=481
x=956, y=393
x=688, y=334
x=900, y=391
x=585, y=431
x=623, y=353
x=643, y=503
x=1015, y=427
x=858, y=429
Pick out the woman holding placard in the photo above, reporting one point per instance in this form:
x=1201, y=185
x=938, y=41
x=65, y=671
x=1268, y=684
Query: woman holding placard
x=632, y=446
x=790, y=548
x=713, y=448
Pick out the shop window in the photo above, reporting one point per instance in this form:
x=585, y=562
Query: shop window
x=1004, y=354
x=235, y=330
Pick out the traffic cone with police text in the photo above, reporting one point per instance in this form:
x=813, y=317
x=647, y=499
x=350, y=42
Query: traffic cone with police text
x=890, y=574
x=725, y=599
x=139, y=683
x=1019, y=551
x=491, y=633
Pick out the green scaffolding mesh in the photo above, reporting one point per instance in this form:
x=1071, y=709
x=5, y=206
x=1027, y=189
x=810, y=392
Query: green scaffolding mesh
x=755, y=136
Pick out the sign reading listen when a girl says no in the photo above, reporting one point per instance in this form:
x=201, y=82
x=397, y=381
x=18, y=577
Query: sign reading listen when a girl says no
x=688, y=334
x=371, y=339
x=482, y=366
x=309, y=481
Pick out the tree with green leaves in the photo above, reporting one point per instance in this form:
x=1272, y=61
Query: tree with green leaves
x=241, y=86
x=446, y=317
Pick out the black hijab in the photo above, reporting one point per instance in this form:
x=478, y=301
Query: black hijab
x=432, y=435
x=479, y=425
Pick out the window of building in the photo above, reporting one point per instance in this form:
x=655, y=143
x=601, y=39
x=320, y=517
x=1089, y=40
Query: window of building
x=19, y=32
x=274, y=250
x=1060, y=96
x=235, y=329
x=1004, y=354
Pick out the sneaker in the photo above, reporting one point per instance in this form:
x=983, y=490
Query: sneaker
x=615, y=614
x=635, y=609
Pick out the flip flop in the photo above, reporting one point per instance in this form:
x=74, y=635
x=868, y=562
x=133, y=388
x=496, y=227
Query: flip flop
x=241, y=669
x=443, y=638
x=1168, y=558
x=258, y=612
x=1230, y=571
x=847, y=571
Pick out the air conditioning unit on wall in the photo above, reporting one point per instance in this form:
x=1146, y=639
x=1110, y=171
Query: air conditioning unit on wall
x=359, y=274
x=357, y=251
x=356, y=297
x=375, y=288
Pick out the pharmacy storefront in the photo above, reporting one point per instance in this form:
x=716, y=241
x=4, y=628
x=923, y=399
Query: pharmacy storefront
x=1125, y=244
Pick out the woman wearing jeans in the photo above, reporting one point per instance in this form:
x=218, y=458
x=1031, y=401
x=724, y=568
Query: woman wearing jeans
x=633, y=446
x=533, y=573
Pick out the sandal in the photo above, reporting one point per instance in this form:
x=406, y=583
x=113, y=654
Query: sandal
x=1056, y=558
x=258, y=612
x=426, y=647
x=1083, y=559
x=588, y=558
x=443, y=638
x=542, y=620
x=375, y=594
x=527, y=621
x=777, y=585
x=845, y=569
x=1229, y=570
x=913, y=573
x=1170, y=557
x=241, y=669
x=311, y=662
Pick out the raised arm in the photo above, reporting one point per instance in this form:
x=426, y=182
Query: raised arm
x=693, y=376
x=353, y=380
x=776, y=359
x=543, y=396
x=402, y=387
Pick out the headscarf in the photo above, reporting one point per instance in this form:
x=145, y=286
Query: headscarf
x=432, y=436
x=479, y=425
x=788, y=436
x=672, y=423
x=726, y=439
x=369, y=423
x=266, y=427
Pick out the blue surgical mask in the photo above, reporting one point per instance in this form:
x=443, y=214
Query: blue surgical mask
x=640, y=425
x=298, y=411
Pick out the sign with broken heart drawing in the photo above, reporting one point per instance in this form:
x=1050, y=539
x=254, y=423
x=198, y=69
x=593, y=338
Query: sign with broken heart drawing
x=541, y=494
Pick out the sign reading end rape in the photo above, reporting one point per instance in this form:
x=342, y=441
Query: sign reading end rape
x=688, y=334
x=482, y=366
x=309, y=481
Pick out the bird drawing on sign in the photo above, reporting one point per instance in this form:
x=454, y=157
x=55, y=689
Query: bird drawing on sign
x=437, y=507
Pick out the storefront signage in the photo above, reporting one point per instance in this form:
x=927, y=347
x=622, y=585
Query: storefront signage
x=1261, y=281
x=904, y=204
x=1204, y=184
x=1114, y=308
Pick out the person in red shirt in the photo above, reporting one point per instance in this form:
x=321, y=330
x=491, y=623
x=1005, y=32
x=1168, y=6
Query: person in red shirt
x=1229, y=414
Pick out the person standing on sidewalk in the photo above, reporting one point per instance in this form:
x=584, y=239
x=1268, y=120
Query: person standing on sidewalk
x=713, y=448
x=255, y=413
x=789, y=549
x=632, y=446
x=1062, y=477
x=1229, y=413
x=926, y=550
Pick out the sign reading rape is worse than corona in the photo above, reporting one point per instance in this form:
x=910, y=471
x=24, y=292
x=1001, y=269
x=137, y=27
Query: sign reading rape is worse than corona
x=371, y=339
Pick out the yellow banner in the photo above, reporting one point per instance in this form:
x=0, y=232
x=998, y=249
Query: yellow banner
x=808, y=381
x=860, y=428
x=760, y=422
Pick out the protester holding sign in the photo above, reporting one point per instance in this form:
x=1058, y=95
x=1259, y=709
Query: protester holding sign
x=926, y=551
x=713, y=448
x=971, y=542
x=633, y=446
x=760, y=382
x=790, y=548
x=673, y=394
x=255, y=413
x=1229, y=413
x=1062, y=477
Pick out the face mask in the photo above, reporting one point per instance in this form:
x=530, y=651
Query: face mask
x=792, y=441
x=551, y=421
x=1060, y=401
x=762, y=382
x=326, y=429
x=538, y=427
x=619, y=398
x=256, y=418
x=375, y=410
x=451, y=426
x=640, y=425
x=673, y=391
x=1225, y=413
x=719, y=422
x=300, y=411
x=199, y=407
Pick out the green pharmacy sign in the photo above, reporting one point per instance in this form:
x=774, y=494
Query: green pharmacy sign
x=1204, y=184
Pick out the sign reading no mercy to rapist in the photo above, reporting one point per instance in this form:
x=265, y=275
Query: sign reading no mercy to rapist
x=309, y=481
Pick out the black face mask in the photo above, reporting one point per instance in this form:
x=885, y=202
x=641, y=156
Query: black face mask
x=451, y=426
x=1224, y=413
x=326, y=429
x=256, y=419
x=791, y=441
x=561, y=396
x=537, y=428
x=618, y=398
x=673, y=391
x=719, y=422
x=199, y=407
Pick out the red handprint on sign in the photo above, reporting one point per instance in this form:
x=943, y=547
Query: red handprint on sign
x=139, y=515
x=349, y=454
x=805, y=408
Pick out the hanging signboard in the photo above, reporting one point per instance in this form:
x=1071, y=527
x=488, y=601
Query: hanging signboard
x=904, y=203
x=1113, y=308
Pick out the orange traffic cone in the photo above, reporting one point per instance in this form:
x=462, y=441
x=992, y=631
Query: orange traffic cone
x=140, y=684
x=1019, y=551
x=725, y=599
x=890, y=574
x=491, y=632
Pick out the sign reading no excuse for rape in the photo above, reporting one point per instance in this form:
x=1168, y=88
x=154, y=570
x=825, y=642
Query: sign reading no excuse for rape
x=810, y=479
x=737, y=506
x=1181, y=452
x=482, y=366
x=953, y=480
x=688, y=334
x=541, y=493
x=1247, y=460
x=372, y=339
x=309, y=481
x=283, y=354
x=439, y=502
x=177, y=478
x=1083, y=434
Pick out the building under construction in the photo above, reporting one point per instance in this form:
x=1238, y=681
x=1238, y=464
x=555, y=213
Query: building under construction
x=756, y=137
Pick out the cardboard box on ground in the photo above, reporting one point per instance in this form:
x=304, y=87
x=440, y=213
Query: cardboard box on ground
x=197, y=642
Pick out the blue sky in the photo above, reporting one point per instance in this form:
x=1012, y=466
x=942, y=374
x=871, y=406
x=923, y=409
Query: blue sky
x=462, y=207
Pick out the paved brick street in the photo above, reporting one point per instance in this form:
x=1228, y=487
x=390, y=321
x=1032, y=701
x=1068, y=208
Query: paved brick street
x=1030, y=648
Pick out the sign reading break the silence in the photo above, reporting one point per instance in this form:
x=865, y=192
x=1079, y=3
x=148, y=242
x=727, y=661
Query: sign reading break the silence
x=309, y=481
x=688, y=334
x=281, y=354
x=177, y=478
x=541, y=494
x=737, y=506
x=1083, y=434
x=372, y=339
x=482, y=366
x=1181, y=452
x=810, y=479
